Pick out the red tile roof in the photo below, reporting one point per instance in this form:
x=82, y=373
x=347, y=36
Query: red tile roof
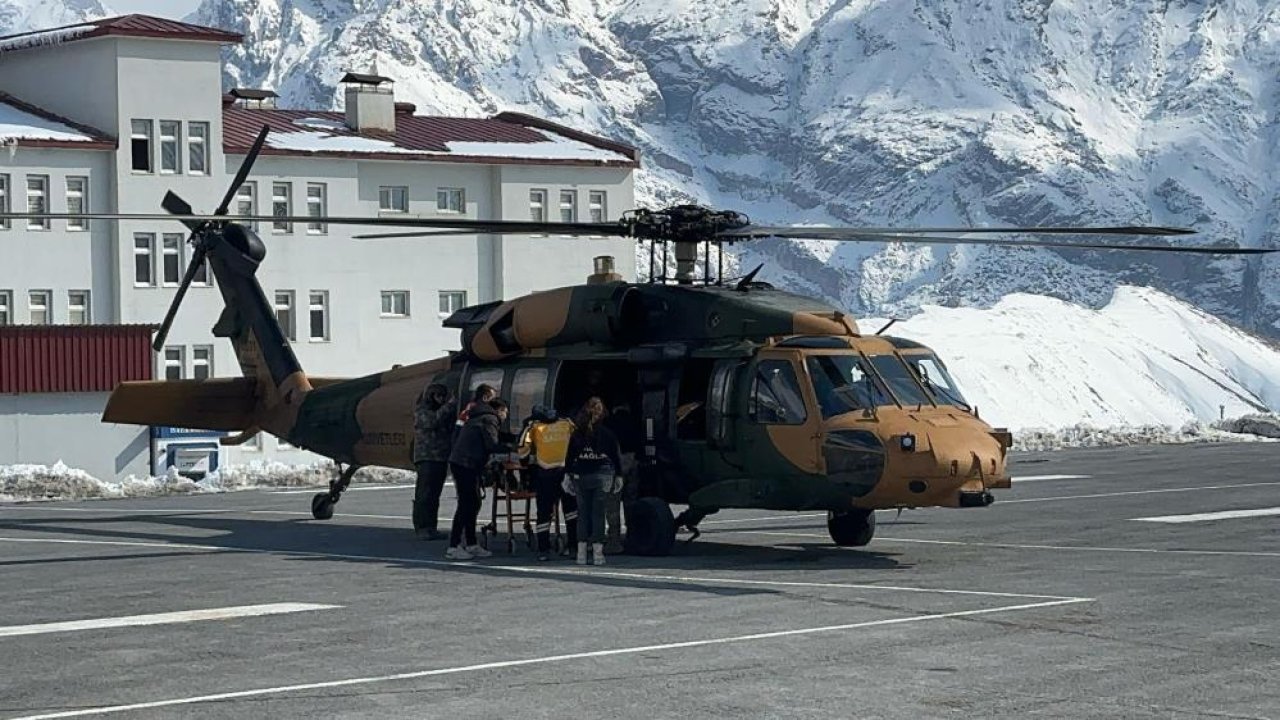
x=417, y=137
x=94, y=139
x=122, y=26
x=73, y=358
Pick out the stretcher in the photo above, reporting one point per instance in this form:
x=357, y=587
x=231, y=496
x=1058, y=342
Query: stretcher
x=512, y=503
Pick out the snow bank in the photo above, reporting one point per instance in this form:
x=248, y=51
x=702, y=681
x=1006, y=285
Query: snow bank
x=59, y=482
x=1146, y=359
x=1088, y=436
x=1267, y=426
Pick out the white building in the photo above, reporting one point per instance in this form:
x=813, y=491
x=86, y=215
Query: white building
x=107, y=116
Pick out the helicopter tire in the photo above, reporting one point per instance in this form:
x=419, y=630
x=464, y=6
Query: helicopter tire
x=852, y=529
x=321, y=506
x=651, y=528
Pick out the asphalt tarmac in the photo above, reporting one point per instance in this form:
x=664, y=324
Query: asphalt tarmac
x=1057, y=601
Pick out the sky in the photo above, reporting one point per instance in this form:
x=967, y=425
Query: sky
x=163, y=8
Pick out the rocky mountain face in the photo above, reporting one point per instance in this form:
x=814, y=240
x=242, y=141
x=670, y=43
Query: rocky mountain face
x=875, y=112
x=22, y=15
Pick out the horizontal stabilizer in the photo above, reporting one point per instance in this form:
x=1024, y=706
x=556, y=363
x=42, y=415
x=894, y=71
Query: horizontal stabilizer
x=215, y=404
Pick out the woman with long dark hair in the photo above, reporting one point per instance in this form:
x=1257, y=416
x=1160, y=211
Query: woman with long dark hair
x=594, y=465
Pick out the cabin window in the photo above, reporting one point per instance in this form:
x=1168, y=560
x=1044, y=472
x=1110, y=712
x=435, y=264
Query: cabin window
x=528, y=388
x=78, y=307
x=38, y=303
x=720, y=403
x=140, y=145
x=843, y=384
x=775, y=395
x=77, y=201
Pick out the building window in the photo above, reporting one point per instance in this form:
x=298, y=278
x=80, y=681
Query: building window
x=202, y=362
x=144, y=246
x=140, y=145
x=171, y=260
x=198, y=148
x=318, y=312
x=395, y=303
x=247, y=201
x=568, y=206
x=538, y=205
x=77, y=202
x=284, y=313
x=281, y=206
x=6, y=307
x=596, y=206
x=173, y=363
x=38, y=304
x=393, y=199
x=450, y=200
x=38, y=201
x=201, y=276
x=78, y=312
x=451, y=301
x=316, y=207
x=4, y=201
x=170, y=141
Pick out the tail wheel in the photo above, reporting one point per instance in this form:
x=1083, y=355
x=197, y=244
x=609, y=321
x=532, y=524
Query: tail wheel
x=651, y=528
x=852, y=529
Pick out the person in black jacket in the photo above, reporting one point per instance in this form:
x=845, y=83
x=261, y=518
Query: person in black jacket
x=432, y=442
x=595, y=466
x=478, y=439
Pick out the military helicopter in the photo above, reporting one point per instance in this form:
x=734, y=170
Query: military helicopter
x=746, y=396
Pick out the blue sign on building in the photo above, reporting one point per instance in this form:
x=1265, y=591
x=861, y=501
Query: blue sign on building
x=160, y=432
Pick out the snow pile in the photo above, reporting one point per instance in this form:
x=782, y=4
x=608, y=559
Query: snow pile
x=1088, y=436
x=1262, y=425
x=1145, y=359
x=59, y=482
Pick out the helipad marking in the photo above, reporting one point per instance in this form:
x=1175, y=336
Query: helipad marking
x=1123, y=493
x=1206, y=517
x=1015, y=546
x=353, y=488
x=181, y=616
x=106, y=709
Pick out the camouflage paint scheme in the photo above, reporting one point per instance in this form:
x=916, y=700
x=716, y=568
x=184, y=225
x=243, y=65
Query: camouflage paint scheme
x=657, y=335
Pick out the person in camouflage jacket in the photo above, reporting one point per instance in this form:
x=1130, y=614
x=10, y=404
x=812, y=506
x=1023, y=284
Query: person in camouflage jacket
x=433, y=419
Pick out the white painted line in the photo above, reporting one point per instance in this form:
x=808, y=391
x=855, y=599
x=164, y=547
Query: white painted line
x=1015, y=546
x=1198, y=488
x=259, y=692
x=788, y=516
x=1204, y=517
x=1042, y=478
x=571, y=572
x=182, y=616
x=354, y=488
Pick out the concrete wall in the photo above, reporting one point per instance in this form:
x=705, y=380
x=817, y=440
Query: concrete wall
x=86, y=80
x=47, y=428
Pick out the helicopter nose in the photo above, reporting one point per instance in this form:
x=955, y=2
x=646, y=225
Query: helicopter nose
x=950, y=461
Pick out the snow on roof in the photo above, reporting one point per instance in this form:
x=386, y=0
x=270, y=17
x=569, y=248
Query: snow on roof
x=135, y=25
x=21, y=123
x=556, y=147
x=55, y=36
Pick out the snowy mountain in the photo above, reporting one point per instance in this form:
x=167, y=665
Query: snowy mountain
x=893, y=112
x=22, y=15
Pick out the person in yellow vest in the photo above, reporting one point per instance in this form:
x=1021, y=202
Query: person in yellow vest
x=543, y=446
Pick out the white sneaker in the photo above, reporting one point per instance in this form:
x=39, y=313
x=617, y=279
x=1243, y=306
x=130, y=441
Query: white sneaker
x=457, y=553
x=477, y=551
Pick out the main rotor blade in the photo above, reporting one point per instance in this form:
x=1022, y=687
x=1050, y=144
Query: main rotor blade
x=461, y=233
x=496, y=227
x=196, y=261
x=929, y=240
x=842, y=233
x=243, y=173
x=177, y=206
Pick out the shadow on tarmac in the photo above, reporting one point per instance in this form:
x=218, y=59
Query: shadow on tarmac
x=306, y=539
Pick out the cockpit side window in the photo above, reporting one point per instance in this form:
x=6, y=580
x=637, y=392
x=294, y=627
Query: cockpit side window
x=843, y=384
x=934, y=376
x=775, y=395
x=899, y=379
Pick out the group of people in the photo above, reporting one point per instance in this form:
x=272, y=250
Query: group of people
x=580, y=465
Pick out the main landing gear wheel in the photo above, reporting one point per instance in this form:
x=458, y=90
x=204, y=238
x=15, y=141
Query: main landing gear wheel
x=854, y=528
x=651, y=529
x=322, y=503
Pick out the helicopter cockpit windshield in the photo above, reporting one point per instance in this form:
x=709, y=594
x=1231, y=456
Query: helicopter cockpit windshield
x=934, y=376
x=843, y=384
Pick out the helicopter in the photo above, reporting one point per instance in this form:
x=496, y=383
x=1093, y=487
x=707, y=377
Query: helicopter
x=747, y=396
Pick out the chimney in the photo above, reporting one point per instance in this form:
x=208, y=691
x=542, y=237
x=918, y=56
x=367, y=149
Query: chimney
x=371, y=106
x=254, y=98
x=604, y=272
